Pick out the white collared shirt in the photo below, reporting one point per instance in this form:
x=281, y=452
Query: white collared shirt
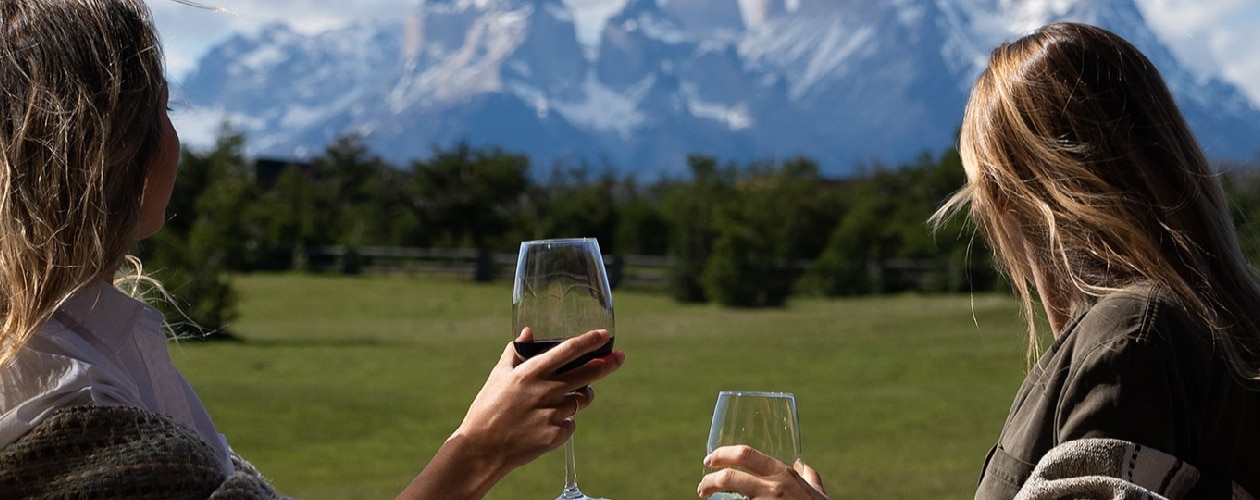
x=101, y=347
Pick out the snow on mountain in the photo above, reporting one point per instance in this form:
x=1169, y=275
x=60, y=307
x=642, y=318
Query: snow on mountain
x=845, y=82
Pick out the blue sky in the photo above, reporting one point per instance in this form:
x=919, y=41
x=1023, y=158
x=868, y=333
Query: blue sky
x=1214, y=37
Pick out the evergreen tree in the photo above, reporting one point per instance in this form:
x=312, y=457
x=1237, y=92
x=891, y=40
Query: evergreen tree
x=209, y=233
x=762, y=230
x=350, y=194
x=289, y=218
x=579, y=203
x=643, y=228
x=690, y=208
x=470, y=196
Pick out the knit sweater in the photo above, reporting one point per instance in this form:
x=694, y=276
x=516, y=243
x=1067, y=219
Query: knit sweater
x=1111, y=469
x=89, y=451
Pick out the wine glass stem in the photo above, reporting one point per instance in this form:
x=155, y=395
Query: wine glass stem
x=570, y=472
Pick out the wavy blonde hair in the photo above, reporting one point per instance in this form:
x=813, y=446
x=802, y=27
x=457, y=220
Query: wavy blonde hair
x=1080, y=166
x=82, y=85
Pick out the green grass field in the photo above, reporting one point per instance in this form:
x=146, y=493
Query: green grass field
x=344, y=387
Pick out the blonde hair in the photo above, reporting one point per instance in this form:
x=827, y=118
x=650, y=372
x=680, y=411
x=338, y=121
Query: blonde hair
x=1080, y=166
x=82, y=86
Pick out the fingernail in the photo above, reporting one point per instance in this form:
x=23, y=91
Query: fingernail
x=620, y=356
x=708, y=460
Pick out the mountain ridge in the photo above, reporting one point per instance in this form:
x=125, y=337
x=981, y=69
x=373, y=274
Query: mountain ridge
x=847, y=83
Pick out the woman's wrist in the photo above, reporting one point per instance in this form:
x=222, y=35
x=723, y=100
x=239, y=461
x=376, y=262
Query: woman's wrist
x=461, y=470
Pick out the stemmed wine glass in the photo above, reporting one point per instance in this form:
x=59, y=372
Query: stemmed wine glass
x=561, y=290
x=765, y=421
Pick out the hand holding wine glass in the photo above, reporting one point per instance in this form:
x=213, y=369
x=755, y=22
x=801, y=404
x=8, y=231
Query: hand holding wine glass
x=527, y=408
x=561, y=290
x=524, y=409
x=754, y=450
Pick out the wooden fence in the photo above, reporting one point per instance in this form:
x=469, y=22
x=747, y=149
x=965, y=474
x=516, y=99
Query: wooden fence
x=636, y=270
x=646, y=271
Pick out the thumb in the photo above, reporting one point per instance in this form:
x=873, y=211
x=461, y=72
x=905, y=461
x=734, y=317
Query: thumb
x=809, y=475
x=510, y=357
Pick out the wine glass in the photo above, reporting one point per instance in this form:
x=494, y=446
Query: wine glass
x=763, y=420
x=561, y=290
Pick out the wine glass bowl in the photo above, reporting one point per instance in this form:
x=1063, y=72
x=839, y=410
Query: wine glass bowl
x=560, y=291
x=766, y=421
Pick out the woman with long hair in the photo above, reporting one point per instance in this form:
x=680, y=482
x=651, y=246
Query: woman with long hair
x=1099, y=204
x=90, y=404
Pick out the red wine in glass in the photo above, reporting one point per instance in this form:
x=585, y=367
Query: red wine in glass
x=561, y=291
x=530, y=349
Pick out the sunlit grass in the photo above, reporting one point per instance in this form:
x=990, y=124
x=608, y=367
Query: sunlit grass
x=344, y=387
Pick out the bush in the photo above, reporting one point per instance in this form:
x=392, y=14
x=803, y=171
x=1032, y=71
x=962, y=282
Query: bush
x=746, y=269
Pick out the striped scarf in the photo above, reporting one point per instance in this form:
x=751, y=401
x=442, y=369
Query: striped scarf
x=1111, y=469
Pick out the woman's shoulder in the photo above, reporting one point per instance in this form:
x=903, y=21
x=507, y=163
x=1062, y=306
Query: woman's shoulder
x=1141, y=318
x=59, y=359
x=108, y=450
x=1140, y=312
x=121, y=451
x=54, y=369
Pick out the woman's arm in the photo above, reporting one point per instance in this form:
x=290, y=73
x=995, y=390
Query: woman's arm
x=524, y=410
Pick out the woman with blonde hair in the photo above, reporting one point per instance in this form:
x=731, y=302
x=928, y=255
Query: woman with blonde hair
x=90, y=404
x=1099, y=203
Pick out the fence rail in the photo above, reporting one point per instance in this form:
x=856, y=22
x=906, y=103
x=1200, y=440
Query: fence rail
x=636, y=270
x=648, y=270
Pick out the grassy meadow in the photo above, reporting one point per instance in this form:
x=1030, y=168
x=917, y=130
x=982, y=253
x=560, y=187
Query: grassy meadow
x=344, y=386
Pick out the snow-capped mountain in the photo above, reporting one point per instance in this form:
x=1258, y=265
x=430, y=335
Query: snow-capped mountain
x=845, y=82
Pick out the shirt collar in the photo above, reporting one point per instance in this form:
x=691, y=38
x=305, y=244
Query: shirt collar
x=109, y=314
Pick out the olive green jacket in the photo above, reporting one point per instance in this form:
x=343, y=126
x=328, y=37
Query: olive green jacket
x=1134, y=367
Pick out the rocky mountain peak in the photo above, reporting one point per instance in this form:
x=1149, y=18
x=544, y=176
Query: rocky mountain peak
x=846, y=82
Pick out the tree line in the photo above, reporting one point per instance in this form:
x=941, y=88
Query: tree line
x=741, y=235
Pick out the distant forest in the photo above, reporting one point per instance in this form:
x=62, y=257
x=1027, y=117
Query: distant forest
x=740, y=235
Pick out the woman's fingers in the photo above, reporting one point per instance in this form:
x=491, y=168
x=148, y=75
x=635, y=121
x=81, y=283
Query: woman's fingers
x=582, y=398
x=511, y=357
x=592, y=371
x=573, y=402
x=574, y=348
x=765, y=477
x=809, y=475
x=561, y=396
x=727, y=480
x=566, y=408
x=744, y=456
x=564, y=424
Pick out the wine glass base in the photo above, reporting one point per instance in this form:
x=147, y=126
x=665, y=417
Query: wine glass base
x=576, y=494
